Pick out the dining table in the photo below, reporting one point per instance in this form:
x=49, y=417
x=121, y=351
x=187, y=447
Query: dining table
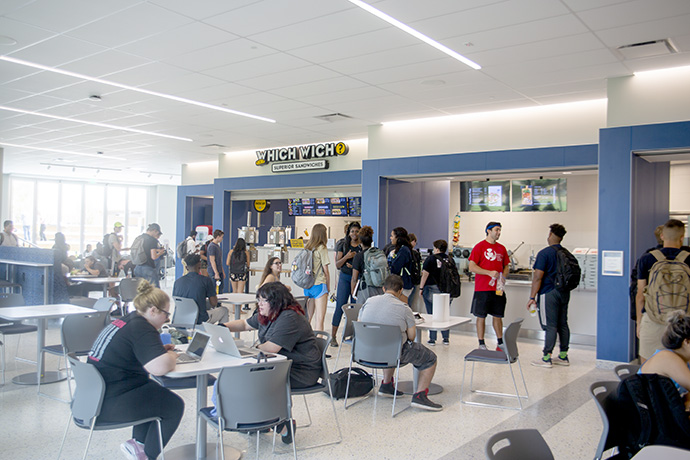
x=237, y=299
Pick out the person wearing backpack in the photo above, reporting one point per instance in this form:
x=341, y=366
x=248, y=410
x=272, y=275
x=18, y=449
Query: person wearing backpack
x=431, y=274
x=400, y=260
x=663, y=286
x=317, y=295
x=345, y=253
x=551, y=302
x=111, y=248
x=238, y=266
x=365, y=267
x=145, y=251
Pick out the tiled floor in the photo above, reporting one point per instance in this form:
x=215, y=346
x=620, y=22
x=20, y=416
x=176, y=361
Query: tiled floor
x=559, y=406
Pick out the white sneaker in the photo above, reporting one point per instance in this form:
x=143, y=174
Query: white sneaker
x=483, y=347
x=133, y=450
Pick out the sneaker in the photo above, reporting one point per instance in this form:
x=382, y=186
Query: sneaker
x=388, y=389
x=287, y=437
x=431, y=343
x=421, y=401
x=334, y=342
x=446, y=342
x=499, y=348
x=542, y=363
x=133, y=450
x=561, y=361
x=483, y=347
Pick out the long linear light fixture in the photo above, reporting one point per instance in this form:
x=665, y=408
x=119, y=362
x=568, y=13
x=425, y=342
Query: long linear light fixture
x=93, y=123
x=133, y=88
x=418, y=35
x=95, y=155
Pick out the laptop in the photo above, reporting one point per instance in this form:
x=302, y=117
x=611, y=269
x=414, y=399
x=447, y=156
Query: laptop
x=195, y=350
x=223, y=341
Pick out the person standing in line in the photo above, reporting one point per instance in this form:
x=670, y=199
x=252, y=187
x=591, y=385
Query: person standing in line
x=317, y=295
x=215, y=260
x=363, y=291
x=151, y=252
x=238, y=266
x=431, y=273
x=343, y=261
x=417, y=256
x=7, y=236
x=551, y=303
x=42, y=231
x=115, y=244
x=400, y=259
x=191, y=247
x=488, y=261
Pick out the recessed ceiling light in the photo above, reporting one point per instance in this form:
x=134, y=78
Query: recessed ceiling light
x=7, y=41
x=95, y=98
x=131, y=88
x=31, y=147
x=420, y=36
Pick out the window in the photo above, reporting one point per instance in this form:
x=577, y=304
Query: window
x=47, y=206
x=94, y=210
x=70, y=215
x=22, y=208
x=136, y=223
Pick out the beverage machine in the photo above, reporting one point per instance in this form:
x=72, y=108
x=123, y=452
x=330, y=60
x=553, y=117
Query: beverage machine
x=251, y=237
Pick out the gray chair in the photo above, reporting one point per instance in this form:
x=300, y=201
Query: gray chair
x=377, y=346
x=322, y=339
x=527, y=444
x=303, y=303
x=351, y=312
x=508, y=357
x=265, y=401
x=8, y=328
x=87, y=402
x=623, y=371
x=78, y=333
x=128, y=291
x=185, y=314
x=600, y=392
x=9, y=287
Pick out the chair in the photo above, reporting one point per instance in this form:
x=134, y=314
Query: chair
x=9, y=286
x=265, y=401
x=86, y=405
x=12, y=327
x=128, y=291
x=623, y=371
x=322, y=340
x=600, y=392
x=185, y=314
x=377, y=346
x=78, y=334
x=510, y=356
x=527, y=443
x=351, y=312
x=303, y=303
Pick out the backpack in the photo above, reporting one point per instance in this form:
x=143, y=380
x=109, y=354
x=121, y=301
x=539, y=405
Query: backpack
x=107, y=248
x=668, y=286
x=361, y=383
x=302, y=271
x=449, y=277
x=137, y=252
x=416, y=272
x=238, y=262
x=568, y=273
x=181, y=249
x=648, y=410
x=375, y=267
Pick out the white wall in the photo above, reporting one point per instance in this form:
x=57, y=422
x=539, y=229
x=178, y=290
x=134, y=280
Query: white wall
x=199, y=173
x=163, y=210
x=545, y=126
x=649, y=97
x=680, y=188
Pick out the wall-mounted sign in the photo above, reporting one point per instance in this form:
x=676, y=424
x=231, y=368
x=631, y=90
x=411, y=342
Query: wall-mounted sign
x=261, y=205
x=303, y=152
x=299, y=166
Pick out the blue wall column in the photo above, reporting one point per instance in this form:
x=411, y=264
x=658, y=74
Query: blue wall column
x=191, y=200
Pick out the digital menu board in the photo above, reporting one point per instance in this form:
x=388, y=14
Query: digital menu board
x=485, y=196
x=354, y=206
x=325, y=206
x=540, y=195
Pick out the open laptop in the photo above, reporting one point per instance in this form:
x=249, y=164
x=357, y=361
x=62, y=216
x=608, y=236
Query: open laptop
x=195, y=350
x=223, y=341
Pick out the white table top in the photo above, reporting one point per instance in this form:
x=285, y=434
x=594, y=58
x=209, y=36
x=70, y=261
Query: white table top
x=429, y=322
x=28, y=264
x=96, y=280
x=662, y=452
x=42, y=311
x=212, y=361
x=237, y=298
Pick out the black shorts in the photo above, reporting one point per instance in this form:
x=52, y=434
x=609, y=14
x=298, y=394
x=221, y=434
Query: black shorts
x=488, y=303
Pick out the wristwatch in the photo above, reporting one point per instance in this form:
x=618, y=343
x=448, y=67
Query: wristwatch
x=532, y=298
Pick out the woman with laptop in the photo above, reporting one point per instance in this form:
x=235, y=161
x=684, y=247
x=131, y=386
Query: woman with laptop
x=125, y=353
x=284, y=329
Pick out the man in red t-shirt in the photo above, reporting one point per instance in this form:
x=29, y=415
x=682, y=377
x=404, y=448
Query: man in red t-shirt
x=488, y=260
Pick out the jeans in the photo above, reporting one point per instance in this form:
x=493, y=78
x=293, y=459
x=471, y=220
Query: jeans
x=342, y=297
x=150, y=274
x=428, y=296
x=553, y=317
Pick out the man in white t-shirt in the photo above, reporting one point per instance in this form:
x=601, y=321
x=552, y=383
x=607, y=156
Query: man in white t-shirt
x=7, y=237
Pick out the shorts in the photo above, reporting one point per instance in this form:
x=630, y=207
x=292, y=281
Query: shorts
x=650, y=337
x=316, y=291
x=488, y=303
x=238, y=277
x=418, y=355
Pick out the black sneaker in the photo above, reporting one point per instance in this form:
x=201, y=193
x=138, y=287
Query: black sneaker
x=388, y=389
x=431, y=343
x=287, y=437
x=334, y=342
x=421, y=401
x=446, y=341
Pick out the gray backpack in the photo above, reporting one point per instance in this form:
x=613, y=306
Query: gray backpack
x=137, y=251
x=302, y=272
x=375, y=267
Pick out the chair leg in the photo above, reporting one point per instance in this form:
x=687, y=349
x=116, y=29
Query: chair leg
x=462, y=384
x=347, y=388
x=472, y=378
x=160, y=438
x=88, y=441
x=306, y=406
x=2, y=344
x=523, y=379
x=258, y=433
x=64, y=436
x=395, y=390
x=517, y=393
x=337, y=357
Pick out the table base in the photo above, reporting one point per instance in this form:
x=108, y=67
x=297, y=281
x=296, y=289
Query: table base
x=407, y=387
x=32, y=379
x=188, y=452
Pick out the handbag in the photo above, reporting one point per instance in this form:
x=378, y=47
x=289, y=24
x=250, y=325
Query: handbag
x=361, y=383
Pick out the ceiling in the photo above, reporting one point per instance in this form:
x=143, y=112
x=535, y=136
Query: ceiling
x=293, y=61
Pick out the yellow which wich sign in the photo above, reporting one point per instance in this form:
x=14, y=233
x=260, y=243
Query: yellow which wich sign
x=261, y=205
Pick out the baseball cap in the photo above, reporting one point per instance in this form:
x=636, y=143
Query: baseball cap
x=118, y=225
x=155, y=227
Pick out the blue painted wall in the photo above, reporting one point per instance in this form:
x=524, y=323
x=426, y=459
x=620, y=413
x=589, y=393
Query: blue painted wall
x=239, y=219
x=191, y=203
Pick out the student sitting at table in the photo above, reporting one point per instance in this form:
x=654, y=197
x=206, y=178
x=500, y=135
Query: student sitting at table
x=284, y=329
x=125, y=353
x=272, y=271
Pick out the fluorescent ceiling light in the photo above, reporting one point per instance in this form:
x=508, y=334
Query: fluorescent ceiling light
x=418, y=35
x=93, y=123
x=62, y=151
x=132, y=88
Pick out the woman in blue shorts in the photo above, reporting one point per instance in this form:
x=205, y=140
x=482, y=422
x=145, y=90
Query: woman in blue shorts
x=318, y=294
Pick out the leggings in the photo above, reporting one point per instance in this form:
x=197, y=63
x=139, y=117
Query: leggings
x=342, y=297
x=148, y=400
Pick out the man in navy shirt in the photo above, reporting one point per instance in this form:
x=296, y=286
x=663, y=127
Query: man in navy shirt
x=552, y=304
x=215, y=260
x=199, y=287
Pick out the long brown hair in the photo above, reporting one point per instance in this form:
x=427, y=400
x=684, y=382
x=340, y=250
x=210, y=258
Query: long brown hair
x=267, y=269
x=318, y=237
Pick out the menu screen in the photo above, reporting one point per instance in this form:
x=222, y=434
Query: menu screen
x=325, y=206
x=540, y=195
x=485, y=196
x=354, y=206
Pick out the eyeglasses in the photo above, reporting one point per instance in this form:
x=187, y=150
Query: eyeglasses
x=259, y=300
x=165, y=312
x=277, y=263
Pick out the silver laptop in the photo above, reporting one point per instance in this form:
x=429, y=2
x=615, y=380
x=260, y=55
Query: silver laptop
x=223, y=341
x=195, y=350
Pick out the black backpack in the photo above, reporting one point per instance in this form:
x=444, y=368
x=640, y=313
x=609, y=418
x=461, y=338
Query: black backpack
x=568, y=273
x=107, y=249
x=648, y=410
x=361, y=383
x=416, y=268
x=449, y=277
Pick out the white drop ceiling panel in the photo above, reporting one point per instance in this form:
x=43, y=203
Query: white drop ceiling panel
x=220, y=55
x=634, y=12
x=201, y=10
x=288, y=78
x=264, y=65
x=413, y=54
x=646, y=31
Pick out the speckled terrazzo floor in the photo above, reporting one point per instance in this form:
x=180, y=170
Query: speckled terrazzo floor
x=559, y=406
